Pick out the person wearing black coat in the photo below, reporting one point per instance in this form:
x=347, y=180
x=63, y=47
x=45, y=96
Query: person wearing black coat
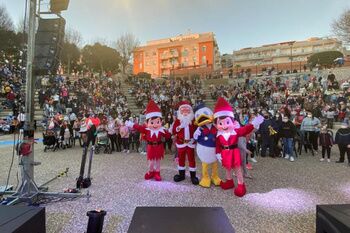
x=342, y=138
x=265, y=131
x=287, y=132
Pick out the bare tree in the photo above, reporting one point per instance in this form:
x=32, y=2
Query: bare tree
x=341, y=27
x=73, y=36
x=125, y=45
x=6, y=22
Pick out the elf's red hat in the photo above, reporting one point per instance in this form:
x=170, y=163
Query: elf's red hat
x=152, y=110
x=184, y=103
x=222, y=108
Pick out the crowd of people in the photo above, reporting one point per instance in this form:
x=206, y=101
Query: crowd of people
x=306, y=116
x=11, y=80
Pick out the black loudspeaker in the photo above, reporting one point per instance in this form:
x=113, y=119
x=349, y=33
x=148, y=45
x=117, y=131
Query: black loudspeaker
x=22, y=219
x=48, y=45
x=333, y=218
x=180, y=219
x=57, y=6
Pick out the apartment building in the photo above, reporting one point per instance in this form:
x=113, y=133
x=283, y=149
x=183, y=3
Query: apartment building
x=285, y=55
x=180, y=55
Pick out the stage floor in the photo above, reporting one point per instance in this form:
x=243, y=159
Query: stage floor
x=282, y=196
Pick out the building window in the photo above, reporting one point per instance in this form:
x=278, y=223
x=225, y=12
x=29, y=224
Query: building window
x=195, y=59
x=154, y=53
x=204, y=48
x=140, y=65
x=204, y=60
x=185, y=53
x=194, y=49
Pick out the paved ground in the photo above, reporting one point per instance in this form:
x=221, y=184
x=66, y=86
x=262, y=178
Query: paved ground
x=282, y=196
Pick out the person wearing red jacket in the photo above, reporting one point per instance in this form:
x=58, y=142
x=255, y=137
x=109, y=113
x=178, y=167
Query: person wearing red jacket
x=227, y=151
x=153, y=134
x=183, y=130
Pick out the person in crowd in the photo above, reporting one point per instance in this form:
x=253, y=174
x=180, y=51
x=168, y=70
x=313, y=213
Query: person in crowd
x=310, y=128
x=287, y=133
x=112, y=134
x=124, y=134
x=326, y=142
x=266, y=133
x=342, y=138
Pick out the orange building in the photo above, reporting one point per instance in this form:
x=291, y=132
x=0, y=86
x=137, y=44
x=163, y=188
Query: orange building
x=178, y=55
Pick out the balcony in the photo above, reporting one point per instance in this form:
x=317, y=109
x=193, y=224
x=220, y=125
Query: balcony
x=169, y=55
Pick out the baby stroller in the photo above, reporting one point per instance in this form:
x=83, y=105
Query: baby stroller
x=102, y=142
x=49, y=140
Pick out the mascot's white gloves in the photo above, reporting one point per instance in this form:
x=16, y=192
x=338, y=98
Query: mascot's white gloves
x=197, y=133
x=129, y=124
x=219, y=157
x=256, y=122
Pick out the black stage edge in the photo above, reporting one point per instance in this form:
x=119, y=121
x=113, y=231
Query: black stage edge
x=333, y=218
x=180, y=219
x=22, y=219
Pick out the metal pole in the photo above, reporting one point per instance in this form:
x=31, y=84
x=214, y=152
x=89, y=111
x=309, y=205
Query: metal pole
x=28, y=161
x=291, y=58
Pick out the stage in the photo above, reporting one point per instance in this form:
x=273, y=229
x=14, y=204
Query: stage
x=282, y=197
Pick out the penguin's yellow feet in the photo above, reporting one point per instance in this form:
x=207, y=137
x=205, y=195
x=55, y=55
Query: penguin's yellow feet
x=205, y=181
x=215, y=174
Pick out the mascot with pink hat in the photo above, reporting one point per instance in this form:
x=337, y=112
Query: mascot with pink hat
x=227, y=151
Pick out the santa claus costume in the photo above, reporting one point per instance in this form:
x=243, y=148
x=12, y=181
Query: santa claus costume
x=153, y=134
x=226, y=144
x=183, y=129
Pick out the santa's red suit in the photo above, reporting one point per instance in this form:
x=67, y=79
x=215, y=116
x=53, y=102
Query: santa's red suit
x=185, y=144
x=155, y=147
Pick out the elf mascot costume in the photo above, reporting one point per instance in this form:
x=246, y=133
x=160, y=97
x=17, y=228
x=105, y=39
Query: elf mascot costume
x=205, y=135
x=227, y=151
x=154, y=132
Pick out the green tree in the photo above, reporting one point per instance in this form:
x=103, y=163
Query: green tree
x=101, y=58
x=324, y=58
x=70, y=56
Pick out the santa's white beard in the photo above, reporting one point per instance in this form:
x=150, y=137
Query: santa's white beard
x=186, y=120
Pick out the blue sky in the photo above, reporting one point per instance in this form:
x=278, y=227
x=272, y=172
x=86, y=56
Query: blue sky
x=236, y=23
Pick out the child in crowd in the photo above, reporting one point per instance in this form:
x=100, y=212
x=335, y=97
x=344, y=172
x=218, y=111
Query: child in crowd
x=124, y=134
x=326, y=142
x=65, y=134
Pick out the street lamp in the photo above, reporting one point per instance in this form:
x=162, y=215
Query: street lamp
x=291, y=55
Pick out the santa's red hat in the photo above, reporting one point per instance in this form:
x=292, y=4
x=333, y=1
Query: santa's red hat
x=183, y=104
x=152, y=110
x=222, y=108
